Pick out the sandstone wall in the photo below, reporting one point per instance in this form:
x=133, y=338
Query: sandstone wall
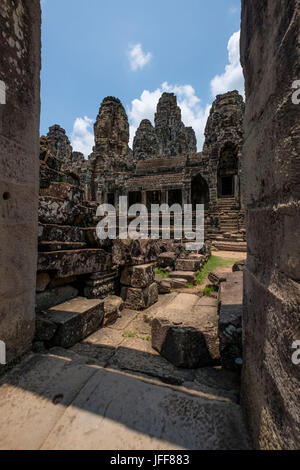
x=19, y=157
x=270, y=56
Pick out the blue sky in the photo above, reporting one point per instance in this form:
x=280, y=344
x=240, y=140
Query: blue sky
x=135, y=50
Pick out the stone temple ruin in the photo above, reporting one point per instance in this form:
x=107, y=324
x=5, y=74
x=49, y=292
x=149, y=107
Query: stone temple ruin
x=83, y=319
x=164, y=165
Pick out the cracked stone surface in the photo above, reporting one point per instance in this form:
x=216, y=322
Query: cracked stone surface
x=119, y=393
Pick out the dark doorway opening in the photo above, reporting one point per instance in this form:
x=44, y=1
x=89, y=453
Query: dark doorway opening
x=227, y=170
x=111, y=198
x=200, y=192
x=153, y=197
x=175, y=197
x=227, y=186
x=134, y=197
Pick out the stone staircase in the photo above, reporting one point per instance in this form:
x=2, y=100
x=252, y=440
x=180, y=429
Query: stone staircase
x=232, y=229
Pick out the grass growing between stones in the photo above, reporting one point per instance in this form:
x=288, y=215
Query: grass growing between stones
x=209, y=290
x=214, y=263
x=129, y=334
x=161, y=272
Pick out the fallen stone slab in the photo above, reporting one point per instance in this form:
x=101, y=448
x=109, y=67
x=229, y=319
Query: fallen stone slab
x=76, y=262
x=45, y=329
x=230, y=321
x=134, y=252
x=113, y=306
x=239, y=266
x=138, y=276
x=167, y=259
x=59, y=233
x=216, y=278
x=75, y=320
x=140, y=299
x=190, y=276
x=186, y=332
x=51, y=297
x=192, y=265
x=42, y=281
x=164, y=287
x=179, y=283
x=100, y=285
x=64, y=191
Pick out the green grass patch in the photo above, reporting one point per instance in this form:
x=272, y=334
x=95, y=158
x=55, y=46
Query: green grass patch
x=214, y=263
x=161, y=272
x=209, y=290
x=146, y=338
x=189, y=286
x=129, y=334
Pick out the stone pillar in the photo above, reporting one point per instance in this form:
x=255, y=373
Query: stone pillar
x=20, y=63
x=271, y=168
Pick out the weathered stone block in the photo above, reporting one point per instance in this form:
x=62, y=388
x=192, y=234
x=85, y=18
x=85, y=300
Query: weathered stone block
x=134, y=252
x=113, y=306
x=190, y=276
x=52, y=297
x=42, y=281
x=75, y=320
x=188, y=265
x=186, y=333
x=138, y=276
x=140, y=299
x=167, y=259
x=72, y=263
x=53, y=210
x=44, y=328
x=239, y=266
x=62, y=190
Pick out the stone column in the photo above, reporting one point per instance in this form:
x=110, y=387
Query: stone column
x=270, y=56
x=20, y=62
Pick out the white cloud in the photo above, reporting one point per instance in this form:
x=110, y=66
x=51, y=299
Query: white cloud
x=83, y=136
x=194, y=114
x=137, y=58
x=232, y=78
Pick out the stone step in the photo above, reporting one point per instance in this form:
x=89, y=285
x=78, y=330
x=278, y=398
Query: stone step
x=72, y=321
x=231, y=246
x=189, y=276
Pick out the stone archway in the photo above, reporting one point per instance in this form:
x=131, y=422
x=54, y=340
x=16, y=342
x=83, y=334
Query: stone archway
x=228, y=171
x=200, y=191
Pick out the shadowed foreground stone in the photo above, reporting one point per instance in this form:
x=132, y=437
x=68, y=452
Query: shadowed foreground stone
x=186, y=332
x=230, y=320
x=140, y=299
x=75, y=320
x=60, y=401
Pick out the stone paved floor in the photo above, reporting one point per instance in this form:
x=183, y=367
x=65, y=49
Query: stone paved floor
x=113, y=391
